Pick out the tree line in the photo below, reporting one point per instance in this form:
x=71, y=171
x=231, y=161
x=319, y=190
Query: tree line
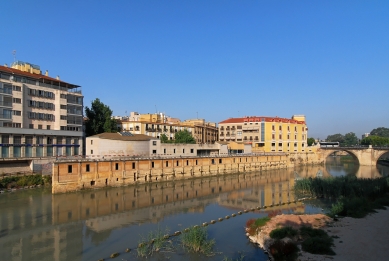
x=378, y=137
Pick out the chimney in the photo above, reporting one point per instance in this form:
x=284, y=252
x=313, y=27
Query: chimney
x=47, y=73
x=57, y=77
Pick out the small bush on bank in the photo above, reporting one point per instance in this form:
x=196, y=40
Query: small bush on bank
x=281, y=250
x=280, y=233
x=316, y=241
x=318, y=245
x=253, y=224
x=22, y=181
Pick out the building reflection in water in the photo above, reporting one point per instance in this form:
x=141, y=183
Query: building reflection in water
x=36, y=225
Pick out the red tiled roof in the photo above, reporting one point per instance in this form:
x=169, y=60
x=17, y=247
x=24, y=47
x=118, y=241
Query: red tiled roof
x=259, y=119
x=40, y=77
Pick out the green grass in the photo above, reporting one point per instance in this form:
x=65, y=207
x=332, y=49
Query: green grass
x=153, y=242
x=196, y=240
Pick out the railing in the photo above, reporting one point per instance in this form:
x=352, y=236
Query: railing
x=7, y=91
x=5, y=116
x=6, y=104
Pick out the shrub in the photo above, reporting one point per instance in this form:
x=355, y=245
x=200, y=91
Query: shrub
x=282, y=250
x=312, y=232
x=253, y=224
x=280, y=233
x=318, y=245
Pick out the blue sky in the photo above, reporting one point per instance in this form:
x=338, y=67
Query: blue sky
x=328, y=60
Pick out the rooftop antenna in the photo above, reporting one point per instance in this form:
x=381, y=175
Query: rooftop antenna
x=14, y=54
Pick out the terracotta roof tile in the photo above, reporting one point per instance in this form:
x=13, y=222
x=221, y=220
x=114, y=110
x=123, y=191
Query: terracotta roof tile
x=259, y=119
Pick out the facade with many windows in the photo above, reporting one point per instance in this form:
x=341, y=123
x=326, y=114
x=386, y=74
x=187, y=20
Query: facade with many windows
x=40, y=116
x=155, y=125
x=266, y=134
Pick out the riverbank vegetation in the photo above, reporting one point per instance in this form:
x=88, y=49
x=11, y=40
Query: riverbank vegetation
x=193, y=240
x=252, y=225
x=353, y=197
x=24, y=181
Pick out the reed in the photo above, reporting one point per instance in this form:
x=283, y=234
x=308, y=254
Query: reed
x=196, y=240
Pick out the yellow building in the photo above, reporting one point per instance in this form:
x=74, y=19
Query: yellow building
x=156, y=124
x=266, y=134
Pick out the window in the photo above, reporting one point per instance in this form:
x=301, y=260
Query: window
x=213, y=161
x=39, y=126
x=91, y=151
x=152, y=164
x=87, y=169
x=16, y=100
x=220, y=161
x=280, y=128
x=167, y=163
x=154, y=143
x=272, y=127
x=280, y=136
x=273, y=136
x=17, y=139
x=154, y=151
x=17, y=88
x=17, y=113
x=116, y=166
x=183, y=150
x=48, y=127
x=30, y=126
x=279, y=144
x=174, y=151
x=16, y=125
x=91, y=142
x=63, y=107
x=133, y=165
x=70, y=168
x=191, y=150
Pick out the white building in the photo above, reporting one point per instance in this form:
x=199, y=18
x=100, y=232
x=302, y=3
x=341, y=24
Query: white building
x=40, y=116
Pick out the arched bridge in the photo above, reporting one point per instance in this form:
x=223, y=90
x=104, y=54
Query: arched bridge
x=366, y=156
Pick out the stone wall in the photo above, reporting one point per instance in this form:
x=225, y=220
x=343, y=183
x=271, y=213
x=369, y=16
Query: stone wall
x=81, y=174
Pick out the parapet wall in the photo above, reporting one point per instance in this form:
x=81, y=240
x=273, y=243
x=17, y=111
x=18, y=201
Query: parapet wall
x=73, y=175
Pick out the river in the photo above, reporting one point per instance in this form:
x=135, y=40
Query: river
x=93, y=224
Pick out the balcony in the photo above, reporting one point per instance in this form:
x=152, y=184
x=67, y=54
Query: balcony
x=6, y=91
x=5, y=104
x=5, y=116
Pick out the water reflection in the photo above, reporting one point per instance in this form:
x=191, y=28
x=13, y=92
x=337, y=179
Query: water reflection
x=347, y=165
x=89, y=225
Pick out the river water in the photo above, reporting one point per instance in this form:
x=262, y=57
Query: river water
x=93, y=224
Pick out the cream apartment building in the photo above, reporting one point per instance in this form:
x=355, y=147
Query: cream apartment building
x=266, y=134
x=40, y=116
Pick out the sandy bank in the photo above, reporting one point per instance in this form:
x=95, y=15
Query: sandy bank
x=359, y=239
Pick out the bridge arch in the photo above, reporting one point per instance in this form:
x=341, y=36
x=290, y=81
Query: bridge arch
x=366, y=156
x=329, y=152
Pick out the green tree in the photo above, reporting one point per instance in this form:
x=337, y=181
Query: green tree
x=381, y=131
x=375, y=141
x=310, y=141
x=165, y=139
x=350, y=139
x=99, y=119
x=184, y=136
x=336, y=137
